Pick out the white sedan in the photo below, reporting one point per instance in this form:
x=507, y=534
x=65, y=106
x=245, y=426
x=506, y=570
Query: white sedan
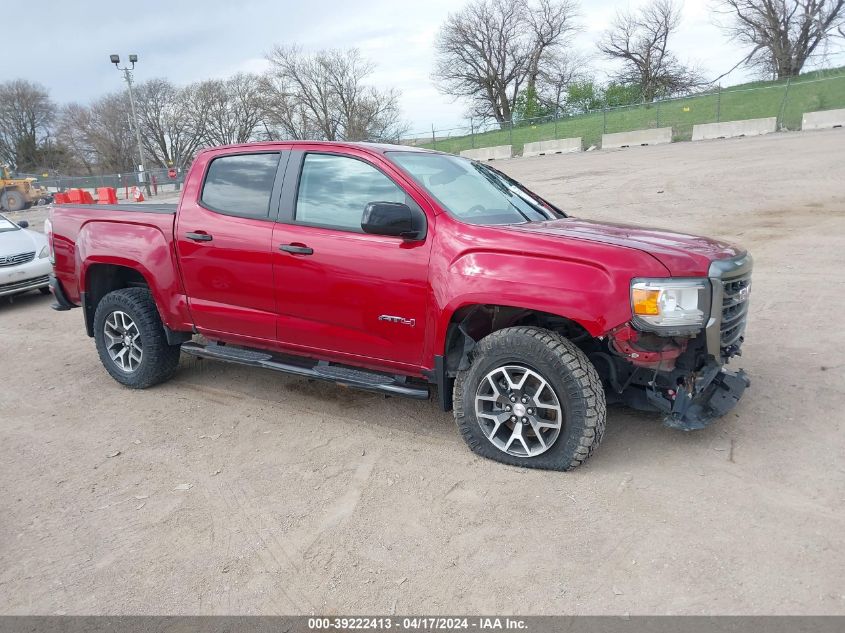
x=24, y=259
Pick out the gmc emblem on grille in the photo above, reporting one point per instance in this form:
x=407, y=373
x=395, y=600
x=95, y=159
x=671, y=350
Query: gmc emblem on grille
x=397, y=319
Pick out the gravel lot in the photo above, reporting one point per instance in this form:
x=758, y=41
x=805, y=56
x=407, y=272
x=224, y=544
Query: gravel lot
x=308, y=498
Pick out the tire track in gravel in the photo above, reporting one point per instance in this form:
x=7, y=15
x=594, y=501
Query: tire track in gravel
x=288, y=555
x=273, y=557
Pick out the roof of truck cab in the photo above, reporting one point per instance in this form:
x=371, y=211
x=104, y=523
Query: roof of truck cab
x=378, y=148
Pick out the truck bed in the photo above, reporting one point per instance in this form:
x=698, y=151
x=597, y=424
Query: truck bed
x=139, y=236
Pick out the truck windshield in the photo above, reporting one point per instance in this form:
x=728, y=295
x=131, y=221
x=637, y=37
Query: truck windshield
x=7, y=225
x=473, y=192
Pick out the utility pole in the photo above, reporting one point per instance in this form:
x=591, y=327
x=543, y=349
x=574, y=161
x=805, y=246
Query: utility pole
x=127, y=75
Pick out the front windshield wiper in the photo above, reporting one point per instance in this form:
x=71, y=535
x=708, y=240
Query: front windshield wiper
x=542, y=206
x=491, y=177
x=496, y=182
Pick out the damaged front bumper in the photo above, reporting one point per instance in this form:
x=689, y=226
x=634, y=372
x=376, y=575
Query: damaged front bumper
x=709, y=395
x=682, y=374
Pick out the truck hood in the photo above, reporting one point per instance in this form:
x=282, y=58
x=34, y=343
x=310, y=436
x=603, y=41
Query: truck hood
x=683, y=255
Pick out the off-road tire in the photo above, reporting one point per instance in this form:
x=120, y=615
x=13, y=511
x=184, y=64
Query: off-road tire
x=569, y=373
x=13, y=201
x=159, y=360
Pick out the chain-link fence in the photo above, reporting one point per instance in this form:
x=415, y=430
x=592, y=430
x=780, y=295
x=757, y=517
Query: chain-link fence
x=161, y=180
x=785, y=100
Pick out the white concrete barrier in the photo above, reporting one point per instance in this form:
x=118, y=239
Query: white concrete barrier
x=556, y=146
x=823, y=119
x=488, y=153
x=654, y=136
x=732, y=129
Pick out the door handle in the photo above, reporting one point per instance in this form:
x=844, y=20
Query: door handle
x=297, y=249
x=199, y=237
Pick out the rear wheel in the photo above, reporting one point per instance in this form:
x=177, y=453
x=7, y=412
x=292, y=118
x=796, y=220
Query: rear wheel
x=131, y=341
x=530, y=398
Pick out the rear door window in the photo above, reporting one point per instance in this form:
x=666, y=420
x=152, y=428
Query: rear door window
x=241, y=184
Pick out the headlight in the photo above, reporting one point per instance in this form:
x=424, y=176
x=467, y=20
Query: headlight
x=45, y=252
x=663, y=305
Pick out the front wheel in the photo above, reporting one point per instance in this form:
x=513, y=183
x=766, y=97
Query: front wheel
x=530, y=398
x=131, y=341
x=13, y=201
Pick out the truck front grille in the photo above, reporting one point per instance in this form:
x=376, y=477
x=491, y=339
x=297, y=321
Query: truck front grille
x=15, y=260
x=734, y=311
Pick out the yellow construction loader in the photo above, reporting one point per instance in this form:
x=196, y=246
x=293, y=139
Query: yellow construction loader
x=20, y=193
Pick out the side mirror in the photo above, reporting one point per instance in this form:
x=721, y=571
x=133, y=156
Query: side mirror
x=23, y=224
x=395, y=219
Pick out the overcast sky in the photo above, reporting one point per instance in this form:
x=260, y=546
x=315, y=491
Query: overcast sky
x=189, y=40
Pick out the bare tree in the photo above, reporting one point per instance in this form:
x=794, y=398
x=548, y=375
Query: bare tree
x=175, y=123
x=558, y=73
x=26, y=113
x=481, y=56
x=373, y=115
x=111, y=134
x=101, y=133
x=783, y=34
x=156, y=102
x=640, y=41
x=492, y=49
x=363, y=111
x=195, y=100
x=168, y=129
x=284, y=115
x=231, y=109
x=301, y=85
x=551, y=22
x=72, y=131
x=325, y=95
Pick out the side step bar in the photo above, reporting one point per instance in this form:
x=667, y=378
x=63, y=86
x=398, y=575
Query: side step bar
x=346, y=376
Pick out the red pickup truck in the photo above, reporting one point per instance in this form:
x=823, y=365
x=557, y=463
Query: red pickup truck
x=396, y=270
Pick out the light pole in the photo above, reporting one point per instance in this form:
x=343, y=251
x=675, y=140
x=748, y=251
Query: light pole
x=127, y=75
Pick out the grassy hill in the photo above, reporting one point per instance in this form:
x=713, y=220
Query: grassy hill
x=818, y=90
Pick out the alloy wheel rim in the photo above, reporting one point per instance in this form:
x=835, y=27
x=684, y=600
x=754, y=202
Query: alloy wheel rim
x=123, y=341
x=518, y=411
